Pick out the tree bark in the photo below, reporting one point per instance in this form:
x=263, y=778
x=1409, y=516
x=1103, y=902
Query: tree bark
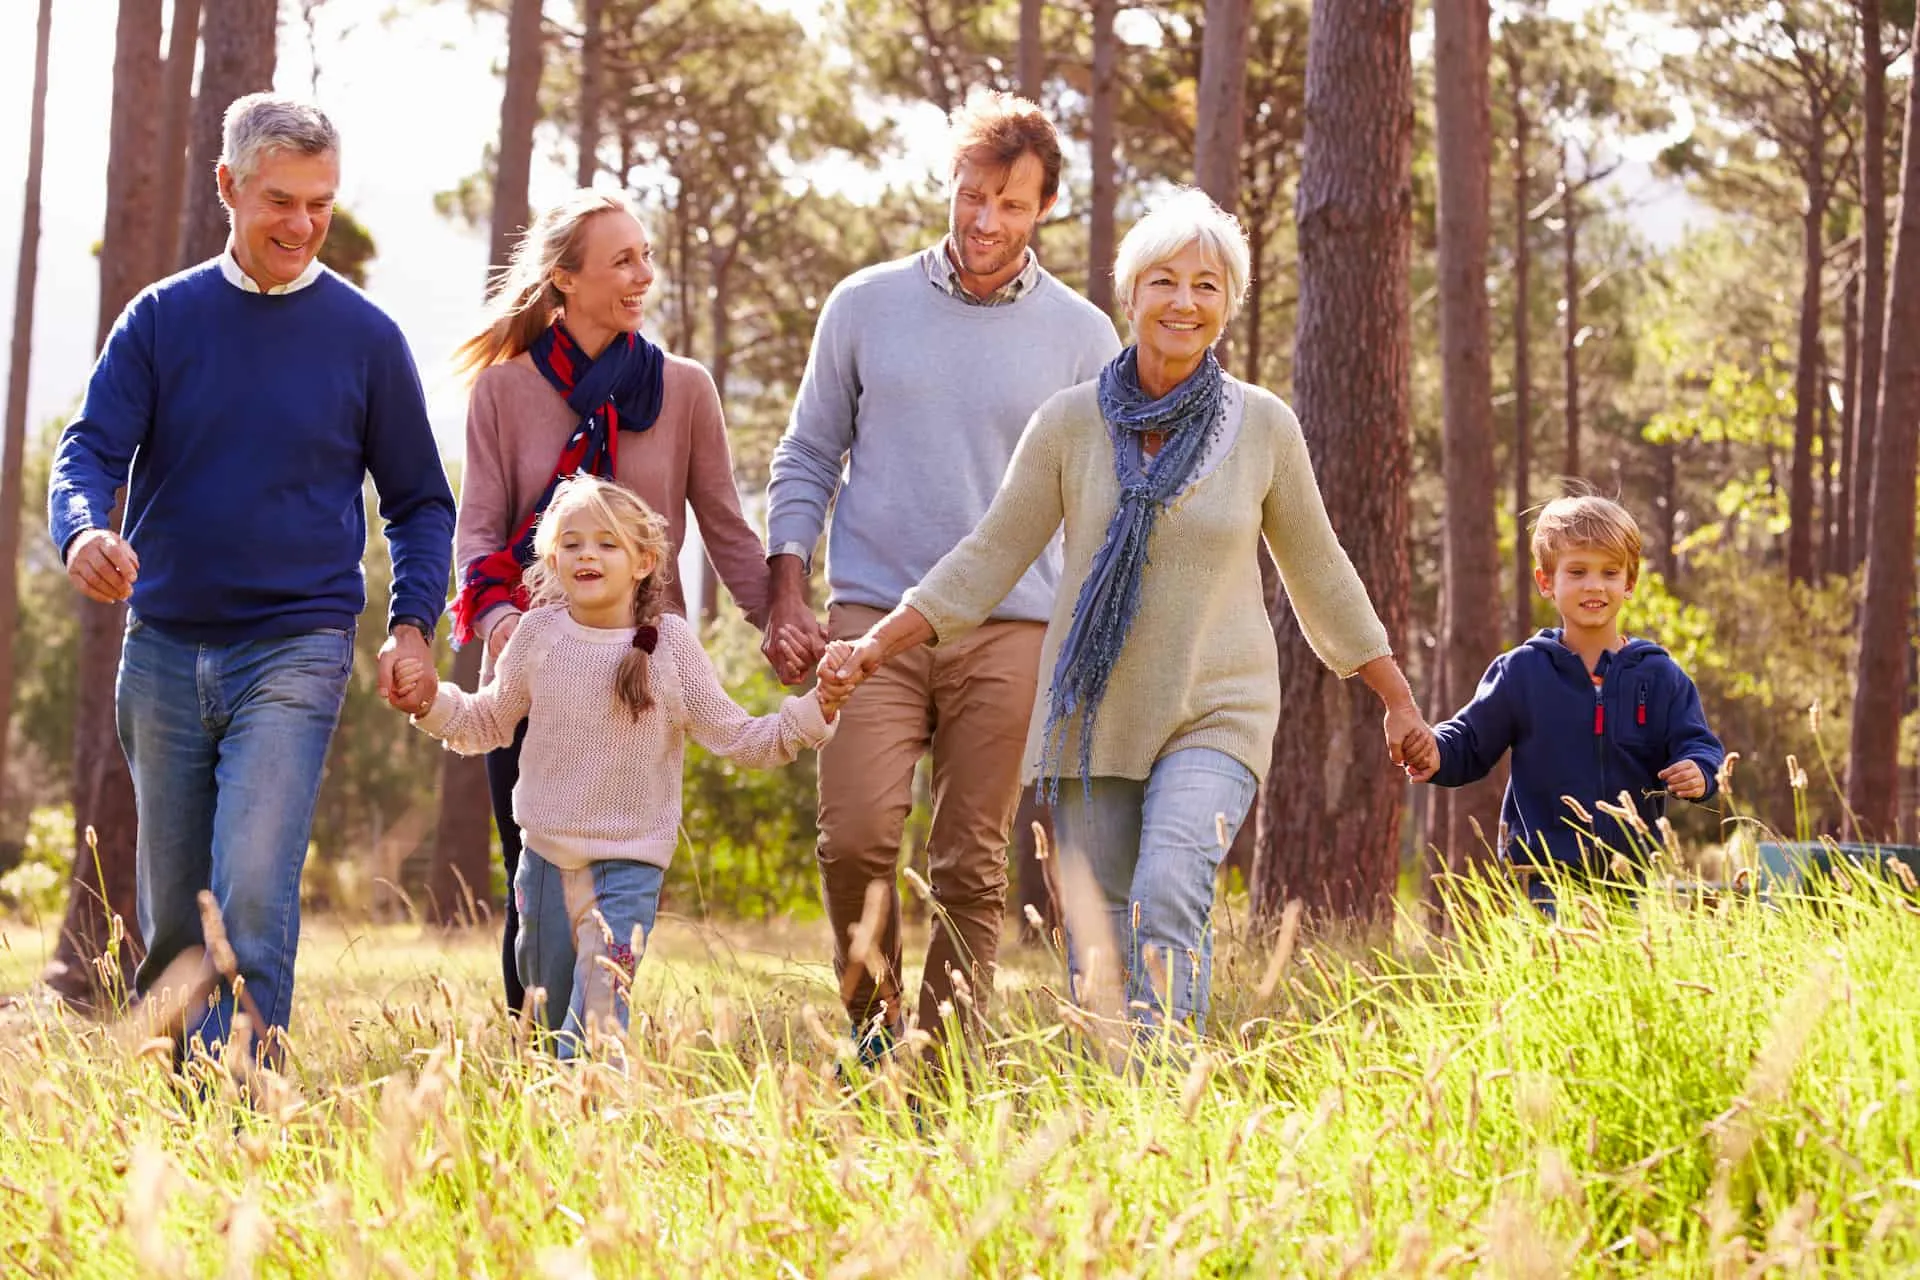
x=1806, y=376
x=1826, y=482
x=519, y=110
x=460, y=841
x=1522, y=351
x=1873, y=272
x=1332, y=812
x=1849, y=489
x=238, y=38
x=103, y=866
x=1221, y=110
x=1570, y=310
x=176, y=112
x=459, y=876
x=1033, y=52
x=1470, y=554
x=1100, y=230
x=20, y=360
x=592, y=57
x=1886, y=631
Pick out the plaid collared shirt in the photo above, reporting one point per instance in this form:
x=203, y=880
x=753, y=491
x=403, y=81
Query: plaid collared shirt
x=945, y=275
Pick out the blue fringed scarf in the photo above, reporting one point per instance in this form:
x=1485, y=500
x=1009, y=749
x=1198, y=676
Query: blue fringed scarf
x=1189, y=416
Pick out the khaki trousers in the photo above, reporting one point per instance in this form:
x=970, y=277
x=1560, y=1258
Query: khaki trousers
x=968, y=702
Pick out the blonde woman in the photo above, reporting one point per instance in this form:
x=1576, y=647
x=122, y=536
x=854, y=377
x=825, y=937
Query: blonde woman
x=564, y=382
x=1158, y=726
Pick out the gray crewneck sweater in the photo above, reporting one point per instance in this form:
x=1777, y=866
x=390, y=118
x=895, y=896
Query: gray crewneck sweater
x=921, y=398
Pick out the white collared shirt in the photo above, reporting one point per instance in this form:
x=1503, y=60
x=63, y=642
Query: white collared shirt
x=230, y=268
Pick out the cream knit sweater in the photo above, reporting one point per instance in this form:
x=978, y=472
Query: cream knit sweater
x=1199, y=668
x=595, y=784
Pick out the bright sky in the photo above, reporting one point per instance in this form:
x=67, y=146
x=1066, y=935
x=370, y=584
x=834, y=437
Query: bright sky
x=429, y=273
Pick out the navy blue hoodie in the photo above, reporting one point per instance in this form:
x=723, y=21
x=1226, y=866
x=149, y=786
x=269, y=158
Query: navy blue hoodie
x=1569, y=738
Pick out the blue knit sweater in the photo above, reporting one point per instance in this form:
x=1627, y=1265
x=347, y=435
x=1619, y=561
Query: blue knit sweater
x=1569, y=738
x=244, y=426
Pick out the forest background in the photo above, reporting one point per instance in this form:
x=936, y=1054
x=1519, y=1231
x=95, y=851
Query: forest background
x=1645, y=247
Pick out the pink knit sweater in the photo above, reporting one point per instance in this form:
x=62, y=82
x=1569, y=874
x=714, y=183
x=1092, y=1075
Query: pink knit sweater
x=596, y=785
x=516, y=426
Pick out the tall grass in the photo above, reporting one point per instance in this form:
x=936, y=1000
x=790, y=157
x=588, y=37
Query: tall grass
x=1655, y=1088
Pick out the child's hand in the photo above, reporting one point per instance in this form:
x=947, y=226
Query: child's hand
x=414, y=685
x=1421, y=755
x=1684, y=779
x=840, y=672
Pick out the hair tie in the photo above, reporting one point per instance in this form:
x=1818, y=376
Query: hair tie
x=645, y=638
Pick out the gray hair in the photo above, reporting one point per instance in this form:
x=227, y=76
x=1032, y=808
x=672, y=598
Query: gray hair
x=1187, y=216
x=259, y=123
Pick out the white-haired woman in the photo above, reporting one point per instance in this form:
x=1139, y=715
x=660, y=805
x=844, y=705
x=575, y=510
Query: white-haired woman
x=1159, y=721
x=564, y=383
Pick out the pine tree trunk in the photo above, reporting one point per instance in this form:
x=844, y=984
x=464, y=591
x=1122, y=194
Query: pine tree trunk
x=1873, y=268
x=1221, y=113
x=1522, y=355
x=1100, y=230
x=593, y=42
x=1470, y=553
x=1886, y=632
x=1033, y=53
x=1806, y=378
x=465, y=807
x=176, y=113
x=519, y=110
x=459, y=877
x=1570, y=310
x=1330, y=823
x=1825, y=480
x=103, y=868
x=1849, y=494
x=20, y=361
x=237, y=38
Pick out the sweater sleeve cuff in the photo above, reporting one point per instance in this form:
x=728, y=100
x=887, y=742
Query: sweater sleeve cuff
x=811, y=722
x=946, y=620
x=493, y=618
x=1351, y=667
x=435, y=721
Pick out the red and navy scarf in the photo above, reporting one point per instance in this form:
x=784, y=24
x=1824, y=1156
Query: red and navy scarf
x=619, y=390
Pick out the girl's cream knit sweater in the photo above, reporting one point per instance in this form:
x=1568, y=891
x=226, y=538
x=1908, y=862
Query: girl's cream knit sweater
x=595, y=784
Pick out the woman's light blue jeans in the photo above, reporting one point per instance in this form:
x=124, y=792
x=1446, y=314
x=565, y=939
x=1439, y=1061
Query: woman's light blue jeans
x=569, y=922
x=1151, y=849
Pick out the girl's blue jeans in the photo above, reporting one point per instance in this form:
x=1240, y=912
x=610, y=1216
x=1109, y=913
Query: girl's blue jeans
x=569, y=922
x=1152, y=849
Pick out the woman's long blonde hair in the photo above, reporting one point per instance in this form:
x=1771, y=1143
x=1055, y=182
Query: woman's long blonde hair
x=525, y=300
x=641, y=531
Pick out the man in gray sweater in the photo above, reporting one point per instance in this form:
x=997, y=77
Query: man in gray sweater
x=923, y=374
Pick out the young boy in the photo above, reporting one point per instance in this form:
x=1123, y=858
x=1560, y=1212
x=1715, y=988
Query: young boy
x=1587, y=712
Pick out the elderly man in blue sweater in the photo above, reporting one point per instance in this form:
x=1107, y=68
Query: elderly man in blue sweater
x=242, y=403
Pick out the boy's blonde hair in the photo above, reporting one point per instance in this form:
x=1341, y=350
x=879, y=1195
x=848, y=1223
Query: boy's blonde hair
x=641, y=531
x=1586, y=520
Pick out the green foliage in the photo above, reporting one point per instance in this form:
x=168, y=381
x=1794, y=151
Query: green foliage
x=37, y=884
x=749, y=833
x=46, y=653
x=349, y=247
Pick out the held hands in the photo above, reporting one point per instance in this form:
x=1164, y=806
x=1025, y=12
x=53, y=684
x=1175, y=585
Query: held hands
x=1410, y=742
x=404, y=643
x=103, y=566
x=795, y=640
x=1684, y=779
x=415, y=686
x=844, y=665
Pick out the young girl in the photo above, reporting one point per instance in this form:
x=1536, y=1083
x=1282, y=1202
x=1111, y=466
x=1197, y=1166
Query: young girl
x=611, y=686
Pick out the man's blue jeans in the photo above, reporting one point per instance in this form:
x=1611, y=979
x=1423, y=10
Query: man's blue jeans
x=572, y=921
x=226, y=743
x=1152, y=849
